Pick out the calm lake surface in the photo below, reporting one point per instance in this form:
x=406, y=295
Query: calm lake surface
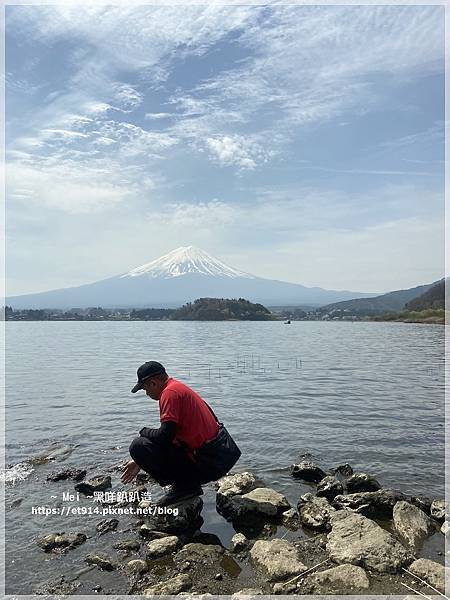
x=370, y=394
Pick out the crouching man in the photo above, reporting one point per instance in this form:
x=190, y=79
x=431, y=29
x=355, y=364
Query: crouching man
x=190, y=448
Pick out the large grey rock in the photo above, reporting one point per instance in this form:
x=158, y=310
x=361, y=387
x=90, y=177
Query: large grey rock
x=412, y=524
x=439, y=510
x=356, y=540
x=362, y=482
x=315, y=512
x=182, y=516
x=165, y=545
x=277, y=559
x=378, y=505
x=204, y=554
x=343, y=579
x=430, y=571
x=260, y=503
x=345, y=470
x=60, y=541
x=238, y=484
x=308, y=471
x=329, y=488
x=96, y=484
x=171, y=587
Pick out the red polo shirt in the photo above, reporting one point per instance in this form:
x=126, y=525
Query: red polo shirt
x=195, y=422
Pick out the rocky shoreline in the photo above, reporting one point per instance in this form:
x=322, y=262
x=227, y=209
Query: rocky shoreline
x=348, y=535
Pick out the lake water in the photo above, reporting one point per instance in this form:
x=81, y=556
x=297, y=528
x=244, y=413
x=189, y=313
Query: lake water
x=370, y=394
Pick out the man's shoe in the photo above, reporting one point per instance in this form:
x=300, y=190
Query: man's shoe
x=179, y=493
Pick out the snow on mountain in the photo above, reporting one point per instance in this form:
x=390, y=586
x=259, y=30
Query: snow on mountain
x=184, y=260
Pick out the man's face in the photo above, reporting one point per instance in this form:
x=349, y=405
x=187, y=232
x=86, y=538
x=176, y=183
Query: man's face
x=152, y=388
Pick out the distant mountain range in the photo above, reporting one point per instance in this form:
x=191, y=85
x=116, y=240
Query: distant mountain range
x=390, y=302
x=183, y=275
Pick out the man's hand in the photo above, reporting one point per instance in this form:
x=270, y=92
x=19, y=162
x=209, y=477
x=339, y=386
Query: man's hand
x=130, y=471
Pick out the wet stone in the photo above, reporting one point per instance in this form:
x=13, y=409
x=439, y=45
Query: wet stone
x=102, y=561
x=422, y=502
x=379, y=504
x=362, y=482
x=345, y=470
x=128, y=545
x=329, y=488
x=239, y=542
x=60, y=541
x=70, y=473
x=96, y=484
x=308, y=471
x=178, y=517
x=260, y=503
x=136, y=567
x=107, y=525
x=58, y=586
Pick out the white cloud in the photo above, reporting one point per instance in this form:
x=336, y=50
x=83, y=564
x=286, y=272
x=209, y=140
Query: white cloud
x=236, y=151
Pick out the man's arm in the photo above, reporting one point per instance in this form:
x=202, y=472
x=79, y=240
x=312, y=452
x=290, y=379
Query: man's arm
x=164, y=435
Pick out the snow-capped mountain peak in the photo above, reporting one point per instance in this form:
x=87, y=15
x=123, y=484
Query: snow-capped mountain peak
x=185, y=260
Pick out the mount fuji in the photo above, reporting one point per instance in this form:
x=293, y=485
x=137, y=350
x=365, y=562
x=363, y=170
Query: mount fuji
x=178, y=277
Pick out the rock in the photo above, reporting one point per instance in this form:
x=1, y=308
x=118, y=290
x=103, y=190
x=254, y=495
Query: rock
x=284, y=588
x=107, y=525
x=238, y=484
x=308, y=471
x=329, y=488
x=60, y=541
x=58, y=586
x=127, y=545
x=163, y=546
x=75, y=474
x=239, y=542
x=96, y=484
x=356, y=540
x=147, y=532
x=314, y=512
x=199, y=554
x=379, y=504
x=171, y=587
x=439, y=510
x=257, y=504
x=290, y=519
x=445, y=529
x=248, y=592
x=342, y=579
x=422, y=502
x=136, y=567
x=432, y=572
x=277, y=559
x=218, y=576
x=102, y=561
x=412, y=524
x=362, y=482
x=181, y=516
x=346, y=470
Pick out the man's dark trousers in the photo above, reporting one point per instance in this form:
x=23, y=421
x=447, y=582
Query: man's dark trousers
x=167, y=464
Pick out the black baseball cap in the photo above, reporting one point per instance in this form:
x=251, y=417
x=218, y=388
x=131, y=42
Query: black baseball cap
x=147, y=370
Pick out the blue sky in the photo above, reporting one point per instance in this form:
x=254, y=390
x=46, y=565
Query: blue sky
x=302, y=143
